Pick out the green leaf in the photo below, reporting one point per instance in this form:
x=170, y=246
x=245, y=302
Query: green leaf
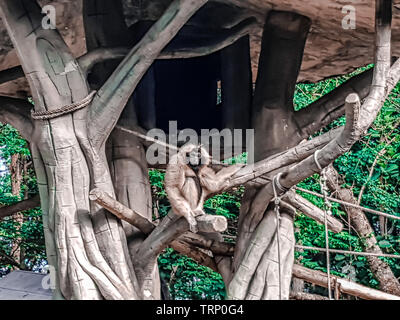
x=384, y=244
x=340, y=257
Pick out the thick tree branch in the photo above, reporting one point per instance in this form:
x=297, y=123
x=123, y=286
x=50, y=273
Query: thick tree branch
x=293, y=155
x=212, y=41
x=215, y=41
x=16, y=112
x=321, y=279
x=306, y=296
x=121, y=211
x=171, y=228
x=331, y=106
x=308, y=167
x=20, y=206
x=284, y=38
x=218, y=248
x=113, y=96
x=166, y=233
x=194, y=252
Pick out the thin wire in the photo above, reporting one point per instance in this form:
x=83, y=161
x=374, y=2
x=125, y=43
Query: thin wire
x=348, y=204
x=147, y=138
x=278, y=219
x=327, y=206
x=356, y=253
x=161, y=143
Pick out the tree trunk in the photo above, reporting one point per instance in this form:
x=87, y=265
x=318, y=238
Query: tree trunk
x=16, y=172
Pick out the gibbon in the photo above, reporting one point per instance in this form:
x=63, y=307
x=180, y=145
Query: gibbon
x=189, y=180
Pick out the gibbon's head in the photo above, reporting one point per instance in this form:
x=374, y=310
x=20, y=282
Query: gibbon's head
x=194, y=155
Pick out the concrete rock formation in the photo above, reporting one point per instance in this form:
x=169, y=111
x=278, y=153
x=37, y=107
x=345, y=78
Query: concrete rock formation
x=330, y=49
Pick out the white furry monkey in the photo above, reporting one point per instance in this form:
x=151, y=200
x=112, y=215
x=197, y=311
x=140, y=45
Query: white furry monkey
x=189, y=179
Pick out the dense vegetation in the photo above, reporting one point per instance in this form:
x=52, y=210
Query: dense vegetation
x=373, y=165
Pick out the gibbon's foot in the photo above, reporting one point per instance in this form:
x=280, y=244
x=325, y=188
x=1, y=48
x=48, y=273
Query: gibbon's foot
x=198, y=212
x=192, y=223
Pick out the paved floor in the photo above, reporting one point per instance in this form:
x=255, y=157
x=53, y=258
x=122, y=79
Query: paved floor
x=24, y=285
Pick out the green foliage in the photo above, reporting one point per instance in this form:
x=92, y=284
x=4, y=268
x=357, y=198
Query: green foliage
x=26, y=236
x=188, y=280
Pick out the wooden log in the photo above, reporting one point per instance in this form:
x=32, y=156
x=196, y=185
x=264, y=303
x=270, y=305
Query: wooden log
x=219, y=248
x=165, y=235
x=121, y=211
x=306, y=296
x=210, y=223
x=348, y=287
x=205, y=223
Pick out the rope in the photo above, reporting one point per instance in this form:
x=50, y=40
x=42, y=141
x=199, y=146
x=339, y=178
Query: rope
x=51, y=114
x=147, y=138
x=277, y=200
x=327, y=210
x=348, y=204
x=356, y=253
x=161, y=143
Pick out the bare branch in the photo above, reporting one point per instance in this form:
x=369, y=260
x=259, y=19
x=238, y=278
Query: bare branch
x=16, y=112
x=312, y=211
x=113, y=96
x=20, y=206
x=9, y=260
x=169, y=230
x=216, y=247
x=166, y=232
x=283, y=159
x=217, y=40
x=195, y=253
x=306, y=296
x=90, y=59
x=331, y=106
x=348, y=287
x=121, y=211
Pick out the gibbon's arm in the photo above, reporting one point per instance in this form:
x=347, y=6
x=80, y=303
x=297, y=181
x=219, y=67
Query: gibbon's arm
x=174, y=180
x=213, y=181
